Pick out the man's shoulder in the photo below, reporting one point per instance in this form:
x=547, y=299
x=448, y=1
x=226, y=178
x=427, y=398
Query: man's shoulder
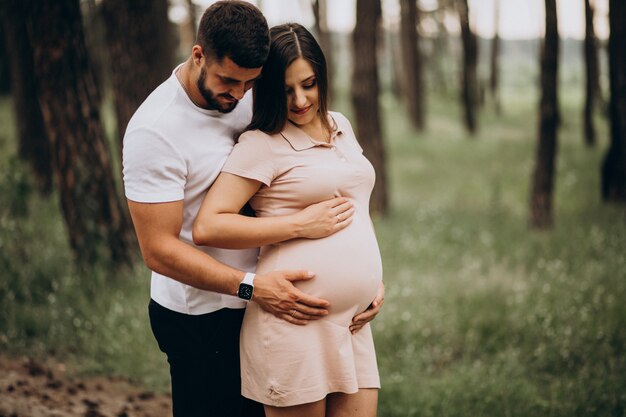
x=155, y=108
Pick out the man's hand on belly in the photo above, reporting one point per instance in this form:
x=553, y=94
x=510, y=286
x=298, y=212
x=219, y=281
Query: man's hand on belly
x=276, y=294
x=368, y=315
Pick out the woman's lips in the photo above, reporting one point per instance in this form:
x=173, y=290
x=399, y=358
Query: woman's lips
x=300, y=112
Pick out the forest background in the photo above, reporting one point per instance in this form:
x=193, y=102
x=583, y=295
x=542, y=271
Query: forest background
x=499, y=205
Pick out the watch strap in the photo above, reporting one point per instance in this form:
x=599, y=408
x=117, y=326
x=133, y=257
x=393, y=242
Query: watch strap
x=248, y=278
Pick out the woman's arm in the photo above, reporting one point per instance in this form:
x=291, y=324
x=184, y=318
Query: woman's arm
x=219, y=223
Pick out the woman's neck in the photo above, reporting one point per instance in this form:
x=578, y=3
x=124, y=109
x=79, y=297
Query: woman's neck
x=316, y=130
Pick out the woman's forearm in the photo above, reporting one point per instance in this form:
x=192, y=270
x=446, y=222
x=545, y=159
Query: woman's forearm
x=235, y=231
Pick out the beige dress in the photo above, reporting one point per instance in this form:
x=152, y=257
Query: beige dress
x=283, y=364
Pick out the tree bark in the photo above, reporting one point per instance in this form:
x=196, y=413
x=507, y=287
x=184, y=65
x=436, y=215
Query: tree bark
x=365, y=90
x=440, y=52
x=494, y=79
x=141, y=53
x=33, y=144
x=98, y=227
x=541, y=216
x=469, y=79
x=592, y=72
x=193, y=18
x=412, y=62
x=614, y=164
x=324, y=38
x=5, y=75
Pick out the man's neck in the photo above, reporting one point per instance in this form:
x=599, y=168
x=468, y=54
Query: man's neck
x=183, y=74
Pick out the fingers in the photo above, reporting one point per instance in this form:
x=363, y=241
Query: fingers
x=372, y=311
x=293, y=318
x=345, y=215
x=297, y=314
x=362, y=319
x=338, y=201
x=301, y=297
x=344, y=205
x=311, y=305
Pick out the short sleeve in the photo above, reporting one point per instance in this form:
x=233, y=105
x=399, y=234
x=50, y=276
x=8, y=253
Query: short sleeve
x=252, y=157
x=154, y=172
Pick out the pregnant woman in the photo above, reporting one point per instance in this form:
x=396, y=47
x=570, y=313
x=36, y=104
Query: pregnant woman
x=296, y=153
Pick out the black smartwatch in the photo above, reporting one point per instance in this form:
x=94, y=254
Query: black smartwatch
x=246, y=288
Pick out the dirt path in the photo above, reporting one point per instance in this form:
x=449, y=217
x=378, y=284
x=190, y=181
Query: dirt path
x=31, y=389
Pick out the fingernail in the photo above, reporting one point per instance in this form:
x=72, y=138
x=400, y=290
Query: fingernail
x=310, y=274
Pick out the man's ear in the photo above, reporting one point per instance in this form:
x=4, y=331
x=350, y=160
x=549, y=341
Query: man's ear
x=197, y=55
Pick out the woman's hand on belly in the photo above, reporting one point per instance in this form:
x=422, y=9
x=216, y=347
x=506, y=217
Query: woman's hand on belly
x=276, y=294
x=371, y=312
x=324, y=219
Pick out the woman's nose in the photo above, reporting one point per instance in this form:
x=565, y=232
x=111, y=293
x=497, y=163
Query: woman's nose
x=299, y=99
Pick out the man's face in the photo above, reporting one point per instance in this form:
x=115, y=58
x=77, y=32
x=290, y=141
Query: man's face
x=223, y=84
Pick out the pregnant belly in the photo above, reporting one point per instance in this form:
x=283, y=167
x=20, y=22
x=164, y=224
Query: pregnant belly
x=347, y=267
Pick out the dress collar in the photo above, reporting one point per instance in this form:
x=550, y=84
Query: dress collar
x=300, y=141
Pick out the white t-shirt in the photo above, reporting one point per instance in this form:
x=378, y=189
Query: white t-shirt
x=174, y=150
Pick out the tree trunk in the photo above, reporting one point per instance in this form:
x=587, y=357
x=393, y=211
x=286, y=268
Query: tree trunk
x=33, y=144
x=469, y=89
x=494, y=79
x=141, y=53
x=96, y=45
x=614, y=164
x=193, y=18
x=365, y=90
x=324, y=38
x=592, y=84
x=541, y=216
x=412, y=62
x=439, y=59
x=395, y=52
x=5, y=74
x=98, y=227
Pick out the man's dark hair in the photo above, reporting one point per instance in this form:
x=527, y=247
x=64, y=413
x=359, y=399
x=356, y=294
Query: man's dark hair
x=290, y=41
x=235, y=29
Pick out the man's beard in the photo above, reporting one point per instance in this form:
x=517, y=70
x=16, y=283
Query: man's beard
x=211, y=99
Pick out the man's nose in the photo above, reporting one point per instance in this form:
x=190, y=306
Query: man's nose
x=238, y=91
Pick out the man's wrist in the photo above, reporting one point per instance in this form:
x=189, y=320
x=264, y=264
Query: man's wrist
x=246, y=287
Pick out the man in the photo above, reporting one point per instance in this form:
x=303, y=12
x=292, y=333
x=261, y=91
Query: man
x=174, y=148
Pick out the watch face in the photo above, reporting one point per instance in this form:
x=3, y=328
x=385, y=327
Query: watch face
x=245, y=291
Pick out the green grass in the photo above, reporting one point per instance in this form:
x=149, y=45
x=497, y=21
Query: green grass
x=483, y=317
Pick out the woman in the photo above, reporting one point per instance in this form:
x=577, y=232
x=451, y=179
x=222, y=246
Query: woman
x=296, y=153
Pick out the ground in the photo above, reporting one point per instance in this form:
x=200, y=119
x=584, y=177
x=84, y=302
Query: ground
x=33, y=389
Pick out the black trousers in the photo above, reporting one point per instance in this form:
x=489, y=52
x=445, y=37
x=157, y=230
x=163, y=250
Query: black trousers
x=203, y=353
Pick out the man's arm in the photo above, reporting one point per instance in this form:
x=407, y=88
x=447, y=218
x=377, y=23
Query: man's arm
x=158, y=227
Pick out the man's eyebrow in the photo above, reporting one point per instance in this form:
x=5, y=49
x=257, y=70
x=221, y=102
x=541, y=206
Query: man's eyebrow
x=234, y=80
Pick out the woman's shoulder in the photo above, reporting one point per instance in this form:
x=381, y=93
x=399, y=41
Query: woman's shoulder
x=254, y=136
x=340, y=120
x=257, y=139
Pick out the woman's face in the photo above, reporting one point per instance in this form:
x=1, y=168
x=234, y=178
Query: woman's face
x=302, y=92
